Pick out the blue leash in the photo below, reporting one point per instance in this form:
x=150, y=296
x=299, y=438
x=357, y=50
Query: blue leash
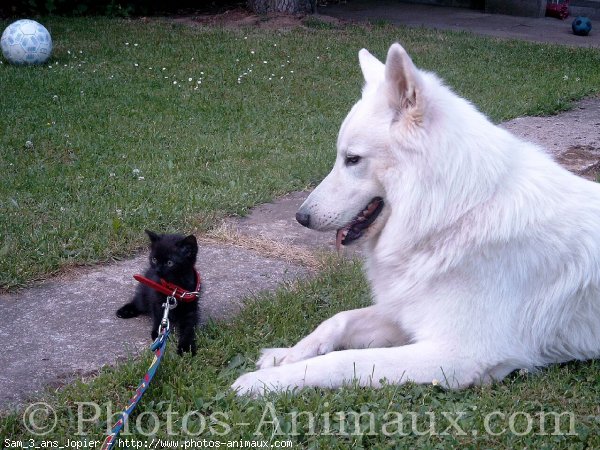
x=158, y=347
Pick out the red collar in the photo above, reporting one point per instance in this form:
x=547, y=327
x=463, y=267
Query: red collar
x=166, y=288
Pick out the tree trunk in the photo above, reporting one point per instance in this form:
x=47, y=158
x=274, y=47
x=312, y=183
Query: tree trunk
x=283, y=6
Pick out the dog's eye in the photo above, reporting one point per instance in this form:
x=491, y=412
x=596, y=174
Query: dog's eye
x=170, y=263
x=352, y=160
x=154, y=260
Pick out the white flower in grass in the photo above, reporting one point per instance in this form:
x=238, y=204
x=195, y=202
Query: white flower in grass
x=135, y=45
x=28, y=144
x=126, y=43
x=435, y=382
x=141, y=178
x=136, y=171
x=190, y=79
x=136, y=64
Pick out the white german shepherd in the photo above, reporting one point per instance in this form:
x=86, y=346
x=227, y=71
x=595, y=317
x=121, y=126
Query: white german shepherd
x=483, y=254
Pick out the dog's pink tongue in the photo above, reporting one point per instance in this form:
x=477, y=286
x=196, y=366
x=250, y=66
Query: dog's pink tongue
x=339, y=237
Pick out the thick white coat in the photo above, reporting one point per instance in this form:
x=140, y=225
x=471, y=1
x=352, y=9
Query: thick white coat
x=485, y=258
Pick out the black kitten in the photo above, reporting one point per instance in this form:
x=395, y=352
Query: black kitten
x=172, y=258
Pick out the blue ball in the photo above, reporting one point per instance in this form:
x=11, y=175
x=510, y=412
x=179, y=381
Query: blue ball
x=26, y=42
x=581, y=26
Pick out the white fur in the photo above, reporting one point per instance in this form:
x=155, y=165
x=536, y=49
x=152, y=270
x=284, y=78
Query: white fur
x=485, y=258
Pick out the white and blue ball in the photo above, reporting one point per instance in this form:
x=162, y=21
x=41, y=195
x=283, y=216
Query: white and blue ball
x=26, y=42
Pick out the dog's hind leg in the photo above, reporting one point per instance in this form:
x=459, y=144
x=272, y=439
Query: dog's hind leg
x=357, y=328
x=422, y=362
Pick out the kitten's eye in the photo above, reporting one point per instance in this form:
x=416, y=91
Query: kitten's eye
x=170, y=263
x=154, y=260
x=352, y=160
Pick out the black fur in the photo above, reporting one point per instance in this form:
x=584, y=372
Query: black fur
x=172, y=258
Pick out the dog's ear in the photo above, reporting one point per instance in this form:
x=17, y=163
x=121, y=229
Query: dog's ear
x=372, y=68
x=402, y=79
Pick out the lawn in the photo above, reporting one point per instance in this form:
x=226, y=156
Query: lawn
x=139, y=125
x=136, y=124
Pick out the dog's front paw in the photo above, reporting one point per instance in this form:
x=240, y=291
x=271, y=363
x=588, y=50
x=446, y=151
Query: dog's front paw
x=271, y=357
x=277, y=379
x=307, y=348
x=253, y=384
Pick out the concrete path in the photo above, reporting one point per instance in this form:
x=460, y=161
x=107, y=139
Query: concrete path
x=545, y=29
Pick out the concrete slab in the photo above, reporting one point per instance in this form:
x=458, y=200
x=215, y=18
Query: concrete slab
x=544, y=29
x=66, y=328
x=277, y=222
x=572, y=137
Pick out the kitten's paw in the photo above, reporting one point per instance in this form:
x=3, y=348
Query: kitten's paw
x=128, y=311
x=184, y=348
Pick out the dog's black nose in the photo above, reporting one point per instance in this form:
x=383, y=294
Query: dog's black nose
x=303, y=218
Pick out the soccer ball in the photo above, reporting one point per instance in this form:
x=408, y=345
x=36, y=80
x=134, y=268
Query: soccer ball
x=26, y=42
x=581, y=26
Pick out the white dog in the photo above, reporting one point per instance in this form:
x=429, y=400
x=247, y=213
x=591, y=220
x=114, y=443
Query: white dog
x=483, y=254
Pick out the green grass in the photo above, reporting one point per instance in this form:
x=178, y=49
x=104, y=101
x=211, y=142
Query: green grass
x=199, y=386
x=102, y=114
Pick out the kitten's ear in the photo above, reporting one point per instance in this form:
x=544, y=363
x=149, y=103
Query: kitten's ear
x=153, y=236
x=188, y=244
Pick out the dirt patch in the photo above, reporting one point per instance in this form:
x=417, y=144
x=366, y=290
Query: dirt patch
x=583, y=160
x=240, y=18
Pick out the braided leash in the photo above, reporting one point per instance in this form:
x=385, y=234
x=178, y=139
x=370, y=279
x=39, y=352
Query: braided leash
x=158, y=347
